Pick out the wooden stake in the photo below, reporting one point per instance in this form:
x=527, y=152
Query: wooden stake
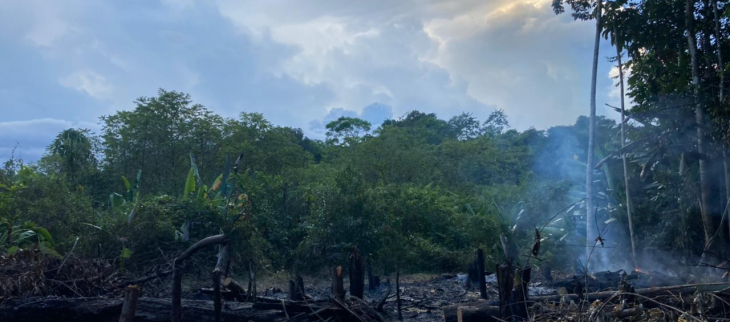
x=338, y=288
x=217, y=294
x=397, y=292
x=130, y=304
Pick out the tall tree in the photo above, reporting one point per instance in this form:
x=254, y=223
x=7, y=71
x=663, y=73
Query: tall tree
x=74, y=147
x=627, y=186
x=721, y=97
x=582, y=11
x=699, y=119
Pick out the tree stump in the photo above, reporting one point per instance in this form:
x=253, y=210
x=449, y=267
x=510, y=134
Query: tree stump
x=217, y=304
x=397, y=293
x=521, y=292
x=357, y=278
x=505, y=283
x=338, y=286
x=472, y=276
x=296, y=289
x=369, y=269
x=480, y=272
x=130, y=304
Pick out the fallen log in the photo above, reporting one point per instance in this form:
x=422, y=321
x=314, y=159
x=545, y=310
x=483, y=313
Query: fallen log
x=106, y=309
x=291, y=307
x=450, y=312
x=235, y=287
x=474, y=314
x=649, y=292
x=626, y=313
x=225, y=294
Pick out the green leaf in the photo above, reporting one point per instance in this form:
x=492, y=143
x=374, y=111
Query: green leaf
x=131, y=215
x=48, y=249
x=202, y=192
x=185, y=230
x=91, y=225
x=43, y=234
x=12, y=250
x=226, y=173
x=126, y=253
x=216, y=183
x=124, y=256
x=194, y=167
x=189, y=184
x=24, y=235
x=127, y=185
x=116, y=200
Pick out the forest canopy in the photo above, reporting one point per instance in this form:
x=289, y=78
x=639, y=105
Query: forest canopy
x=418, y=191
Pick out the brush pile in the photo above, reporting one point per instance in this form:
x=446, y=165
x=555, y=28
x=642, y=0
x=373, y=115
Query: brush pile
x=32, y=273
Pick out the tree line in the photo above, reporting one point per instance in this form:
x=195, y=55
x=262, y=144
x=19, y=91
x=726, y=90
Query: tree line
x=417, y=191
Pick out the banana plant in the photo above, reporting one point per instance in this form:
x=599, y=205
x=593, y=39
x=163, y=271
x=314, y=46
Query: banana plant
x=218, y=194
x=27, y=235
x=131, y=195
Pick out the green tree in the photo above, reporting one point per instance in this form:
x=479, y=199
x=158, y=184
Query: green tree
x=74, y=150
x=346, y=130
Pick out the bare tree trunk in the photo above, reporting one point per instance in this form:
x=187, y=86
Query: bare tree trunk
x=252, y=281
x=699, y=119
x=718, y=43
x=623, y=144
x=591, y=230
x=177, y=271
x=397, y=292
x=721, y=67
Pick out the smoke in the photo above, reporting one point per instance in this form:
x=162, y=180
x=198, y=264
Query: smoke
x=563, y=160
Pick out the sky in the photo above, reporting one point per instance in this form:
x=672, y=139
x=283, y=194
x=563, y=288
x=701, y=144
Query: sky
x=301, y=63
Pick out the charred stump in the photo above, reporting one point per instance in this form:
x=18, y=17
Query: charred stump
x=480, y=272
x=371, y=279
x=296, y=289
x=520, y=293
x=217, y=304
x=338, y=286
x=357, y=276
x=397, y=293
x=505, y=283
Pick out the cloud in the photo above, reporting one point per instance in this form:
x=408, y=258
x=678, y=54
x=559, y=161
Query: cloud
x=297, y=62
x=374, y=113
x=89, y=82
x=28, y=139
x=614, y=91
